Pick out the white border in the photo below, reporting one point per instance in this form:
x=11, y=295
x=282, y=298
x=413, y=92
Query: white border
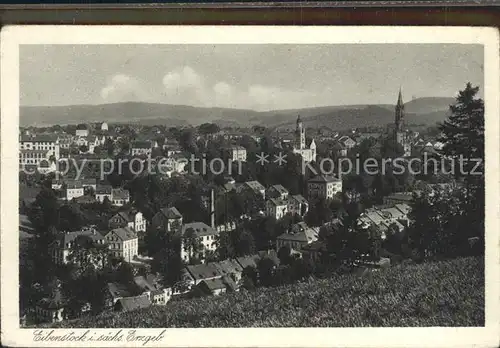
x=13, y=36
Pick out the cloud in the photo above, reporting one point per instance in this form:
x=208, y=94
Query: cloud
x=185, y=86
x=123, y=87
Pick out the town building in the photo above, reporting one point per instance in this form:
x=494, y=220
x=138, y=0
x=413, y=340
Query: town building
x=167, y=219
x=123, y=242
x=307, y=151
x=277, y=191
x=104, y=127
x=130, y=218
x=324, y=186
x=298, y=205
x=255, y=186
x=102, y=192
x=297, y=237
x=276, y=207
x=139, y=148
x=206, y=235
x=51, y=309
x=397, y=198
x=60, y=248
x=82, y=130
x=236, y=153
x=33, y=150
x=73, y=189
x=120, y=197
x=347, y=142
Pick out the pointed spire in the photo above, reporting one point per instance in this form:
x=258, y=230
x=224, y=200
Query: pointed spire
x=298, y=119
x=400, y=98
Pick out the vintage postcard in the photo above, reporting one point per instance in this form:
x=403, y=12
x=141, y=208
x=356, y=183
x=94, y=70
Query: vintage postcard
x=249, y=186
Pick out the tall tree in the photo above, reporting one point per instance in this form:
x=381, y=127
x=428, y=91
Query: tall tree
x=463, y=138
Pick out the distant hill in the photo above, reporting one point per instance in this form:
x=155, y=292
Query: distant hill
x=419, y=111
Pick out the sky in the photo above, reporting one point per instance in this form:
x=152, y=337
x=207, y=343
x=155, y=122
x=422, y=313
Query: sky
x=258, y=77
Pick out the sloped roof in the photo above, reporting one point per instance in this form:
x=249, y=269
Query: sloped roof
x=120, y=193
x=255, y=185
x=226, y=267
x=401, y=196
x=40, y=138
x=136, y=302
x=214, y=284
x=248, y=261
x=200, y=228
x=144, y=283
x=203, y=271
x=171, y=213
x=124, y=233
x=69, y=237
x=324, y=179
x=278, y=201
x=300, y=199
x=304, y=234
x=118, y=290
x=141, y=145
x=103, y=189
x=279, y=188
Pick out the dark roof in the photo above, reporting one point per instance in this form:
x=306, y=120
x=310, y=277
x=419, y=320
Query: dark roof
x=314, y=246
x=103, y=189
x=118, y=290
x=248, y=261
x=401, y=196
x=200, y=228
x=145, y=284
x=171, y=213
x=85, y=199
x=300, y=199
x=227, y=267
x=203, y=271
x=69, y=237
x=279, y=188
x=73, y=184
x=300, y=233
x=278, y=201
x=136, y=302
x=40, y=138
x=141, y=145
x=120, y=193
x=82, y=126
x=214, y=284
x=324, y=178
x=124, y=233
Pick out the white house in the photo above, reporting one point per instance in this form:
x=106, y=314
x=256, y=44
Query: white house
x=276, y=207
x=123, y=242
x=325, y=186
x=82, y=130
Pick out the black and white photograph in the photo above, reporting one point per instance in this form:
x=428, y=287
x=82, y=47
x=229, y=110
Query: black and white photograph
x=285, y=183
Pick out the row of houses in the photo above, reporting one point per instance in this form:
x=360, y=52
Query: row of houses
x=75, y=189
x=122, y=242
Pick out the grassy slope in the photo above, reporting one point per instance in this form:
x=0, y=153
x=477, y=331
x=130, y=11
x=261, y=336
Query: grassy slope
x=448, y=293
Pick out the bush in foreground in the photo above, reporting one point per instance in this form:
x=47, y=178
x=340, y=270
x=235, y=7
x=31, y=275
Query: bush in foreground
x=446, y=293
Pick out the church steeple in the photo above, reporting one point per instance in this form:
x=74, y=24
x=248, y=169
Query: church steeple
x=400, y=112
x=300, y=134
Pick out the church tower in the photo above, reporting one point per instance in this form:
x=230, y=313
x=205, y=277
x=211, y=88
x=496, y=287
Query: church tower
x=301, y=134
x=399, y=131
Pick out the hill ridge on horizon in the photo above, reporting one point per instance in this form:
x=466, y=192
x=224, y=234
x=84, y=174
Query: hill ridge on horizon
x=428, y=109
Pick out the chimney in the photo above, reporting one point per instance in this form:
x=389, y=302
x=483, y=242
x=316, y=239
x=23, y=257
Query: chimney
x=212, y=208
